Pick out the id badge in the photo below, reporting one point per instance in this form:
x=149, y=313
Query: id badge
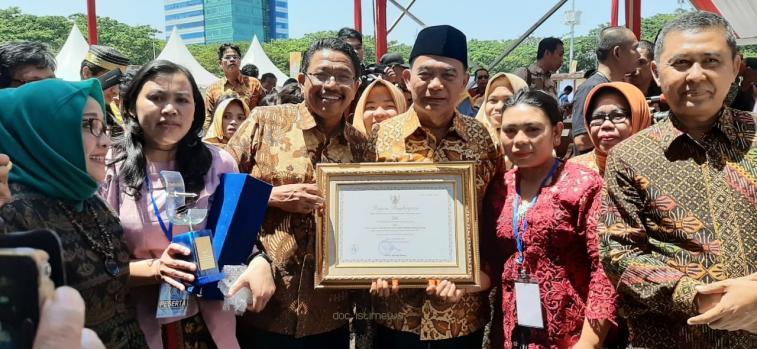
x=528, y=303
x=172, y=302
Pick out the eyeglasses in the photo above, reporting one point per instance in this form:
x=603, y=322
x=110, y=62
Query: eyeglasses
x=96, y=127
x=483, y=77
x=230, y=58
x=324, y=78
x=616, y=117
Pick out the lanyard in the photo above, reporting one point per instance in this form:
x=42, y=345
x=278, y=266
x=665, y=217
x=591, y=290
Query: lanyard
x=167, y=231
x=516, y=214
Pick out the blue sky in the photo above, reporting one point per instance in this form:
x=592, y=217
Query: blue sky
x=478, y=19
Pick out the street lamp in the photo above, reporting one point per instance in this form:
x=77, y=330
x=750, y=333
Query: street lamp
x=155, y=38
x=572, y=19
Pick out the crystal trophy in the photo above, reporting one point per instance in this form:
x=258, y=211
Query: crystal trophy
x=199, y=242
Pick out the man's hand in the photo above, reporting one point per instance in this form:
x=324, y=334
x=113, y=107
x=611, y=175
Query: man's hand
x=445, y=291
x=5, y=169
x=296, y=198
x=736, y=309
x=384, y=287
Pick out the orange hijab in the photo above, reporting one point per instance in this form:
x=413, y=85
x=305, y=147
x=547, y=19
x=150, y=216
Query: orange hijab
x=394, y=91
x=641, y=117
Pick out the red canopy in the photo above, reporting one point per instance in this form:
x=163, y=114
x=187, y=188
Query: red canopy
x=741, y=14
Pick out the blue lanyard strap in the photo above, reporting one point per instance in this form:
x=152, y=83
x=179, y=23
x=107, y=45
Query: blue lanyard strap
x=167, y=231
x=519, y=231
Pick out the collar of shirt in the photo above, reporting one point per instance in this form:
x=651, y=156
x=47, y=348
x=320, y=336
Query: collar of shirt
x=536, y=70
x=241, y=80
x=412, y=125
x=726, y=124
x=306, y=121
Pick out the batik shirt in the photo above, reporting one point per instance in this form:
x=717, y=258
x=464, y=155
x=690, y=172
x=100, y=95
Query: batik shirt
x=107, y=298
x=282, y=145
x=538, y=79
x=246, y=88
x=561, y=253
x=680, y=213
x=403, y=139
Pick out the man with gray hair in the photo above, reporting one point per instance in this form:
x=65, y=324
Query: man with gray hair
x=25, y=61
x=617, y=56
x=678, y=228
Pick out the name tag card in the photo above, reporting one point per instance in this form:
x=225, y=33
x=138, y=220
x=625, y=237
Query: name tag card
x=528, y=304
x=172, y=302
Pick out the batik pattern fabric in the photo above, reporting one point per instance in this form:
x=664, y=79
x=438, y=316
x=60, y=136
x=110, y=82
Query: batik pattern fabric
x=109, y=310
x=403, y=139
x=588, y=160
x=245, y=88
x=282, y=145
x=538, y=79
x=679, y=213
x=561, y=254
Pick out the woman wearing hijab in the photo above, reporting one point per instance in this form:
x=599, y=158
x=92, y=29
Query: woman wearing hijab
x=499, y=89
x=55, y=133
x=229, y=114
x=613, y=111
x=380, y=101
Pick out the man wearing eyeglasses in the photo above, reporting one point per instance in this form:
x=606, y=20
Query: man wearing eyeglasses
x=247, y=88
x=24, y=62
x=677, y=226
x=282, y=145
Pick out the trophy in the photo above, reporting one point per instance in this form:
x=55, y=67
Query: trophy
x=199, y=242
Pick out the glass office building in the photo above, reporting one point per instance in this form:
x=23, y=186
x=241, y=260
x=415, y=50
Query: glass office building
x=188, y=17
x=219, y=21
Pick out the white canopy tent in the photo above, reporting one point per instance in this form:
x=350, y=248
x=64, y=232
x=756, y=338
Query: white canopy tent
x=68, y=61
x=176, y=52
x=255, y=55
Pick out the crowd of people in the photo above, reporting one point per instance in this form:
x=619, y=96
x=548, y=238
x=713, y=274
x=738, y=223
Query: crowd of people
x=646, y=238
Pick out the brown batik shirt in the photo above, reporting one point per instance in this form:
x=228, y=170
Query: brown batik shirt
x=680, y=213
x=282, y=145
x=245, y=88
x=403, y=139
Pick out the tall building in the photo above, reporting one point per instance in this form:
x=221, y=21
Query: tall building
x=188, y=17
x=219, y=21
x=279, y=15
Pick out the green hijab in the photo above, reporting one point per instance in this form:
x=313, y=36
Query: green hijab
x=41, y=132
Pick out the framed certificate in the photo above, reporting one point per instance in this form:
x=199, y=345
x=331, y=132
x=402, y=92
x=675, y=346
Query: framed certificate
x=407, y=221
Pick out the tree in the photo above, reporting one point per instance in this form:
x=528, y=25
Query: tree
x=139, y=44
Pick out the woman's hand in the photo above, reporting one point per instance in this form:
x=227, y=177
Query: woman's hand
x=173, y=270
x=259, y=279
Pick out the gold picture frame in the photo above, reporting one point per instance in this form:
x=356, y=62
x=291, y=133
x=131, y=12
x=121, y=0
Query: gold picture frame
x=380, y=220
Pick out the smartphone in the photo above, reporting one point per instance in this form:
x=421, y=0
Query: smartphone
x=31, y=266
x=25, y=284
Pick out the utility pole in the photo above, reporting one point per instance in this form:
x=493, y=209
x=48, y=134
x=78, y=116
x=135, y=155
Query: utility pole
x=572, y=18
